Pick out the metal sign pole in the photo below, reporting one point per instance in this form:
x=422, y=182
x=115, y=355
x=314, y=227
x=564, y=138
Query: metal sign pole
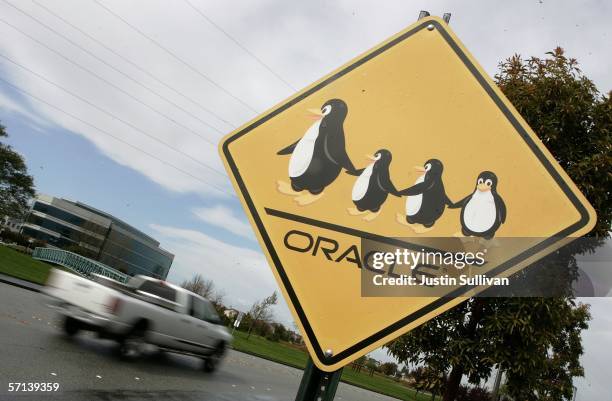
x=317, y=385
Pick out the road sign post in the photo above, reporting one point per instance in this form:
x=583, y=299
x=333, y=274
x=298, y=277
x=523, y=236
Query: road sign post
x=317, y=385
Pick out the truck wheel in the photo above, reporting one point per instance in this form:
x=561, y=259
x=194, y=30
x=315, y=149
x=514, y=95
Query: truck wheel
x=71, y=326
x=211, y=363
x=131, y=347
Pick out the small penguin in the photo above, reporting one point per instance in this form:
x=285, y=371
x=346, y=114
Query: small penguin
x=319, y=156
x=483, y=211
x=373, y=186
x=426, y=198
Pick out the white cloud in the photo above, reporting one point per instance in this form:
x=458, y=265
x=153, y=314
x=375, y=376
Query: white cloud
x=59, y=69
x=300, y=41
x=223, y=217
x=9, y=105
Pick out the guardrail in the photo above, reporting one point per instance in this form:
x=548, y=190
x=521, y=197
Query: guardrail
x=77, y=263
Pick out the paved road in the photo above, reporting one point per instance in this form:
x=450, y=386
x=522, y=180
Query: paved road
x=32, y=349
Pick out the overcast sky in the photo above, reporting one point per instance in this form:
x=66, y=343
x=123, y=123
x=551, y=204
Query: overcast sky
x=118, y=73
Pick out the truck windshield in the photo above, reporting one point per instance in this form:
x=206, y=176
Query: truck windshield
x=162, y=291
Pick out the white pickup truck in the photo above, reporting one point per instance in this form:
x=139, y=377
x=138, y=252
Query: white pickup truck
x=143, y=311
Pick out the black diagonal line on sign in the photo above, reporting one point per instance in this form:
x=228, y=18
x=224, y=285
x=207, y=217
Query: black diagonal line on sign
x=350, y=231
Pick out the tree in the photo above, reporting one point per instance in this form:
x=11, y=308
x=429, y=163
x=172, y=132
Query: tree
x=571, y=117
x=260, y=311
x=17, y=238
x=431, y=380
x=473, y=394
x=418, y=377
x=388, y=368
x=371, y=363
x=206, y=289
x=535, y=341
x=198, y=285
x=280, y=333
x=16, y=185
x=479, y=394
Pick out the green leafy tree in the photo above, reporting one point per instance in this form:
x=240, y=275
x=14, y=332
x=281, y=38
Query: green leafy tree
x=16, y=185
x=535, y=341
x=432, y=381
x=17, y=238
x=479, y=394
x=372, y=363
x=463, y=393
x=388, y=368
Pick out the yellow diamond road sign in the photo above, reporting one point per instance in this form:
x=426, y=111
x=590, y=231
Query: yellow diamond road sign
x=438, y=133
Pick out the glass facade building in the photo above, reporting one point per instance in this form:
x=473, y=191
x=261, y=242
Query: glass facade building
x=100, y=236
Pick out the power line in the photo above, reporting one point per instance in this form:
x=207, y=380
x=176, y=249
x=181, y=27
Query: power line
x=105, y=81
x=108, y=113
x=109, y=65
x=133, y=64
x=220, y=189
x=240, y=45
x=175, y=56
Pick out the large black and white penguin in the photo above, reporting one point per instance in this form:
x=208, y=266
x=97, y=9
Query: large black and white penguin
x=426, y=199
x=373, y=186
x=319, y=156
x=484, y=210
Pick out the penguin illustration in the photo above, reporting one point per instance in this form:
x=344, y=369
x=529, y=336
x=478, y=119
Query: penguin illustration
x=426, y=198
x=373, y=186
x=319, y=156
x=483, y=211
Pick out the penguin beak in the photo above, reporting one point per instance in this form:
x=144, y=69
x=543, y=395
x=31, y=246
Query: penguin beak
x=315, y=114
x=370, y=157
x=483, y=187
x=420, y=169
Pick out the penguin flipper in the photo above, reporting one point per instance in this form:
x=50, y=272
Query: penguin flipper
x=413, y=190
x=459, y=204
x=355, y=172
x=288, y=150
x=385, y=183
x=345, y=162
x=502, y=209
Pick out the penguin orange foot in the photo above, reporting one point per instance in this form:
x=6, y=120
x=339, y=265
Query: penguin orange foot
x=285, y=188
x=353, y=211
x=307, y=199
x=371, y=216
x=401, y=219
x=419, y=228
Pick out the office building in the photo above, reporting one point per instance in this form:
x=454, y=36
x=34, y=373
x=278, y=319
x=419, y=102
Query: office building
x=75, y=226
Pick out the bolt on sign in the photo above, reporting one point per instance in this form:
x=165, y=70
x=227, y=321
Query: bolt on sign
x=447, y=154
